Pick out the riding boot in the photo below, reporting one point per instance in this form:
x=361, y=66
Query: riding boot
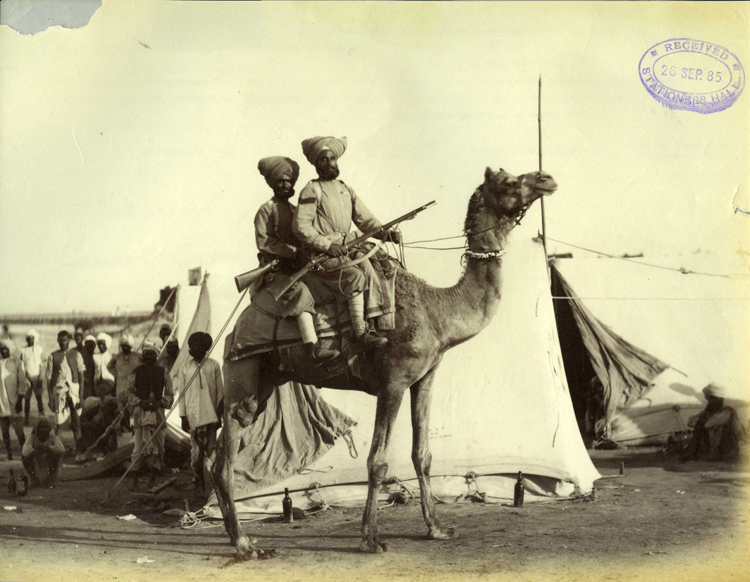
x=361, y=337
x=312, y=347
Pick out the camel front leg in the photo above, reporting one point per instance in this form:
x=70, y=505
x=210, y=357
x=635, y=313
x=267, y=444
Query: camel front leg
x=241, y=382
x=422, y=457
x=389, y=402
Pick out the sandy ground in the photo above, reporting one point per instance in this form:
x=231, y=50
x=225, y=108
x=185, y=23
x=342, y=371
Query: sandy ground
x=661, y=520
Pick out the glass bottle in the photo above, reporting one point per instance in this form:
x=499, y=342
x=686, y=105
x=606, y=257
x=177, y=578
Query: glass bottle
x=286, y=505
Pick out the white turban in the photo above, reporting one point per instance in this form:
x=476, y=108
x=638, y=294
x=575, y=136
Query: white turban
x=103, y=337
x=89, y=338
x=127, y=339
x=149, y=346
x=714, y=390
x=33, y=333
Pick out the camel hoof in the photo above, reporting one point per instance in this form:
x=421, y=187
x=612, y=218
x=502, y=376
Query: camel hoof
x=374, y=547
x=449, y=533
x=244, y=547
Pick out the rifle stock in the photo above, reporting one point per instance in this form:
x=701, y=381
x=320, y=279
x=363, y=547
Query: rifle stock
x=282, y=284
x=244, y=280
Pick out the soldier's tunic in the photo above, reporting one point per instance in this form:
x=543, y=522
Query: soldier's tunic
x=326, y=211
x=275, y=240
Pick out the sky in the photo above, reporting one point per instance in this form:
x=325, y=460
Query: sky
x=129, y=147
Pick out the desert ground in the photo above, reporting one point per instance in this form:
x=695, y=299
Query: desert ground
x=661, y=520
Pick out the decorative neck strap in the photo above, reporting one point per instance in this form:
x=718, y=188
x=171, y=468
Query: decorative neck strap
x=485, y=255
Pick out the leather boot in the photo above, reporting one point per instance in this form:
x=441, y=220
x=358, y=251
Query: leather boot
x=370, y=341
x=318, y=353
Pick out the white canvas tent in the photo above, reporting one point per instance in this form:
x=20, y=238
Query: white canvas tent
x=695, y=323
x=500, y=405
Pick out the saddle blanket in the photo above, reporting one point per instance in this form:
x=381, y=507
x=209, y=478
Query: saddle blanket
x=259, y=329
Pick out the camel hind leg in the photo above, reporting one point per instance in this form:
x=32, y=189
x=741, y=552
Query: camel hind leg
x=241, y=377
x=422, y=457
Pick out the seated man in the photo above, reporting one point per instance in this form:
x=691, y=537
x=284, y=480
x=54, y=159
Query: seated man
x=275, y=240
x=42, y=453
x=323, y=220
x=717, y=431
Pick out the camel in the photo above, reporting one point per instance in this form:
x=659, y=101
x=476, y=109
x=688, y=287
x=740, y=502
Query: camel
x=429, y=321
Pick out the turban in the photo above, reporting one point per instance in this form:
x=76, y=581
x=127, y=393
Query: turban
x=89, y=338
x=165, y=326
x=103, y=337
x=313, y=146
x=149, y=347
x=126, y=339
x=277, y=167
x=200, y=340
x=714, y=390
x=79, y=330
x=33, y=333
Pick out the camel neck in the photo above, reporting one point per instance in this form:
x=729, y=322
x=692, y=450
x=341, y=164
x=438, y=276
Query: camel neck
x=468, y=307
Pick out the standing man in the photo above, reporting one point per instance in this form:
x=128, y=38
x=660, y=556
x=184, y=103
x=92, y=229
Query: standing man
x=202, y=405
x=149, y=393
x=122, y=365
x=31, y=356
x=61, y=364
x=78, y=337
x=275, y=240
x=12, y=386
x=169, y=354
x=323, y=220
x=89, y=347
x=104, y=381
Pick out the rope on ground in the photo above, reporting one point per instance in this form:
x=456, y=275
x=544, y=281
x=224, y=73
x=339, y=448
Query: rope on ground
x=323, y=506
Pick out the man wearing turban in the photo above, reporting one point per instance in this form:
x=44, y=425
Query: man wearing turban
x=12, y=383
x=31, y=356
x=323, y=220
x=104, y=381
x=122, y=365
x=149, y=393
x=202, y=405
x=717, y=430
x=275, y=240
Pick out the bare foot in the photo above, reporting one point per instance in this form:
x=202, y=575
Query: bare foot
x=373, y=547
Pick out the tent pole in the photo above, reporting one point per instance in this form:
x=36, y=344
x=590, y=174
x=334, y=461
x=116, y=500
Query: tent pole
x=544, y=222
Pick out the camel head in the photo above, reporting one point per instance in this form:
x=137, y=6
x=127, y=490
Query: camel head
x=507, y=194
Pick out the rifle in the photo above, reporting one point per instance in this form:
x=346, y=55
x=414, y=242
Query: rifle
x=282, y=284
x=246, y=279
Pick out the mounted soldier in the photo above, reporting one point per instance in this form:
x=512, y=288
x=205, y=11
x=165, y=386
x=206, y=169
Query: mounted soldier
x=323, y=220
x=276, y=242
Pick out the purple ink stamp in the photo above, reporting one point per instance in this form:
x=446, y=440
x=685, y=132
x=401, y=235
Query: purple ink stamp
x=692, y=75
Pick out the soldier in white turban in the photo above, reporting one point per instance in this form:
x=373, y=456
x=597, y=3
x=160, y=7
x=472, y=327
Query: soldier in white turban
x=323, y=220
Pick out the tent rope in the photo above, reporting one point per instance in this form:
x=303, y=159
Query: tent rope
x=156, y=318
x=682, y=270
x=349, y=440
x=323, y=505
x=183, y=392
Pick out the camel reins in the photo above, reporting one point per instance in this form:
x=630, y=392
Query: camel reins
x=517, y=216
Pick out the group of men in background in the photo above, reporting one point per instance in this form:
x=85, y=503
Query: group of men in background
x=102, y=394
